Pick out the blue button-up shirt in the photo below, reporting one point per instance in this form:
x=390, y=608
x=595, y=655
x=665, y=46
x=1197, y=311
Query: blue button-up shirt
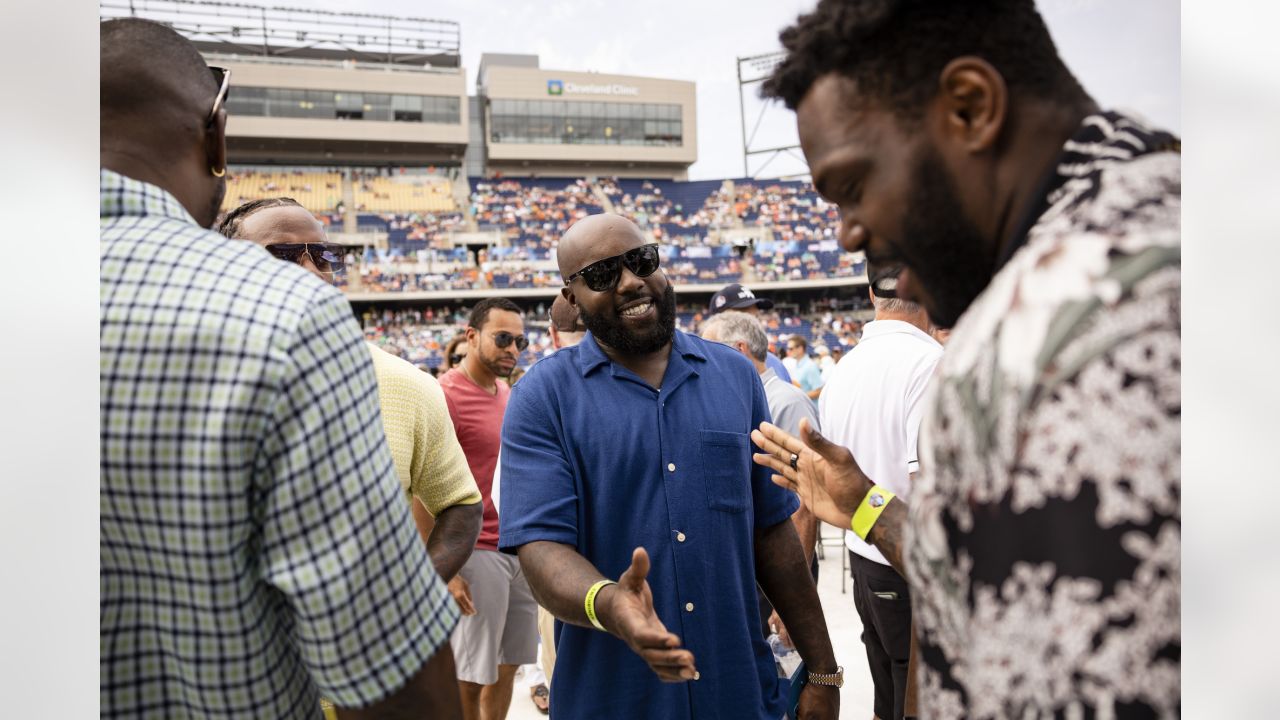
x=595, y=458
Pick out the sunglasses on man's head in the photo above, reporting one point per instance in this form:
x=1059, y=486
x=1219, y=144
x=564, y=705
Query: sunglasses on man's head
x=326, y=256
x=504, y=339
x=603, y=275
x=221, y=76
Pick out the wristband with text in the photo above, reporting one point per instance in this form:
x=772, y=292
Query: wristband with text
x=868, y=512
x=590, y=603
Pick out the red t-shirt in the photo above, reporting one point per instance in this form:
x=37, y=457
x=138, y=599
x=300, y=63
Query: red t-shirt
x=477, y=419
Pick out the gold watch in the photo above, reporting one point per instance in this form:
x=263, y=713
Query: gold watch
x=835, y=679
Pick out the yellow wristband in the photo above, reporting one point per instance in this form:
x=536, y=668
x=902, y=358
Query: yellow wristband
x=590, y=603
x=868, y=512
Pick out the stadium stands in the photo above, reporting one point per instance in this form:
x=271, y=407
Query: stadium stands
x=404, y=194
x=420, y=335
x=532, y=212
x=790, y=232
x=318, y=192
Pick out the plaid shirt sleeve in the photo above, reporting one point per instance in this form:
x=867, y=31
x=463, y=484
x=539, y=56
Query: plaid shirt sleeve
x=337, y=537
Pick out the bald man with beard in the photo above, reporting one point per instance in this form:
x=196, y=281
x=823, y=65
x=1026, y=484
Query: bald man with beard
x=255, y=548
x=627, y=456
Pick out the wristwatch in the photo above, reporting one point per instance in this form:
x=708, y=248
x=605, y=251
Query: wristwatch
x=835, y=679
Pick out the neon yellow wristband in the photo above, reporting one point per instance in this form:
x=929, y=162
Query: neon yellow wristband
x=590, y=603
x=868, y=512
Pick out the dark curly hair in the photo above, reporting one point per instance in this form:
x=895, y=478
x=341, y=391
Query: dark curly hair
x=231, y=223
x=894, y=50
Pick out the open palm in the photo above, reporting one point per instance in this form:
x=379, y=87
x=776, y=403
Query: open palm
x=636, y=622
x=827, y=477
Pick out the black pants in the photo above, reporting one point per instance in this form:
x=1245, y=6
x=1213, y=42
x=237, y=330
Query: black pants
x=766, y=608
x=884, y=604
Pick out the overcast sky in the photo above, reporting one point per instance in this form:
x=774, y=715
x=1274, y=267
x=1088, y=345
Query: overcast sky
x=1126, y=53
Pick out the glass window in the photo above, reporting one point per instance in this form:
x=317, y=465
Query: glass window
x=248, y=101
x=578, y=122
x=345, y=105
x=377, y=106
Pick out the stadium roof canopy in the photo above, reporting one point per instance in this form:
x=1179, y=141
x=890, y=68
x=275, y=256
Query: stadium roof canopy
x=243, y=29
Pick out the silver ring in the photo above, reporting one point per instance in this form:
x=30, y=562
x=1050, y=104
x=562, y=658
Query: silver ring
x=794, y=459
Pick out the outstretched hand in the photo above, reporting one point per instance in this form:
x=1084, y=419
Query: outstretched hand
x=827, y=478
x=629, y=614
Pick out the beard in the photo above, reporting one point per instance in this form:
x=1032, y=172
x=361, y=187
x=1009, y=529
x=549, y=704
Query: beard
x=948, y=254
x=610, y=330
x=494, y=364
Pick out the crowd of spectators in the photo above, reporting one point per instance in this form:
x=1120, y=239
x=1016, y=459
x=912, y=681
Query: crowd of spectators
x=793, y=210
x=422, y=335
x=534, y=213
x=653, y=209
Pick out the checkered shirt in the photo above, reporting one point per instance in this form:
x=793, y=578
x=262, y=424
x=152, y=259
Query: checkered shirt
x=255, y=547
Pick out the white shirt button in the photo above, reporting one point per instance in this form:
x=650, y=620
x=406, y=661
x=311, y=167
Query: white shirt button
x=679, y=537
x=688, y=607
x=697, y=675
x=671, y=467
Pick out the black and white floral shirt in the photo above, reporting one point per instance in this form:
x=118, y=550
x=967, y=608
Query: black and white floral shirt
x=1045, y=540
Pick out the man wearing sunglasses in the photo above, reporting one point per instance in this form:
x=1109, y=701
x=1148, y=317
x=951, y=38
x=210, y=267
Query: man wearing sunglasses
x=630, y=498
x=429, y=461
x=500, y=631
x=255, y=550
x=288, y=231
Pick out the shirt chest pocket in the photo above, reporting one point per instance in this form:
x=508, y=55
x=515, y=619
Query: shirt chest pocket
x=726, y=469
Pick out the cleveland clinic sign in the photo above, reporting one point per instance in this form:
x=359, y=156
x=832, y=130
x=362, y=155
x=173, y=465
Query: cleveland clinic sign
x=559, y=87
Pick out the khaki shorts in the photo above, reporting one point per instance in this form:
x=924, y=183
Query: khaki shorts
x=504, y=630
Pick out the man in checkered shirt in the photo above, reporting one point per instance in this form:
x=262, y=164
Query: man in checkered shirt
x=256, y=550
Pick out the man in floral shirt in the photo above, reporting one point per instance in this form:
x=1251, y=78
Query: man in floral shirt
x=1043, y=537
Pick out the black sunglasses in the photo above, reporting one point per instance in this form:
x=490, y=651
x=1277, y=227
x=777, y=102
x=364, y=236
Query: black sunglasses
x=456, y=359
x=504, y=339
x=326, y=256
x=603, y=275
x=222, y=76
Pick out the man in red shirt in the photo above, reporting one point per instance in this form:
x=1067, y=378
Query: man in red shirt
x=499, y=628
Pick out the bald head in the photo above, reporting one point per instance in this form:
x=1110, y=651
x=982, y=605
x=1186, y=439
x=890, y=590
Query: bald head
x=155, y=94
x=596, y=237
x=154, y=86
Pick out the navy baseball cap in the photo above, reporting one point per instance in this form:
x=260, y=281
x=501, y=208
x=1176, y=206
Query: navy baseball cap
x=735, y=297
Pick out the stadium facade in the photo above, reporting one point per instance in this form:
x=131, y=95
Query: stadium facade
x=552, y=122
x=446, y=195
